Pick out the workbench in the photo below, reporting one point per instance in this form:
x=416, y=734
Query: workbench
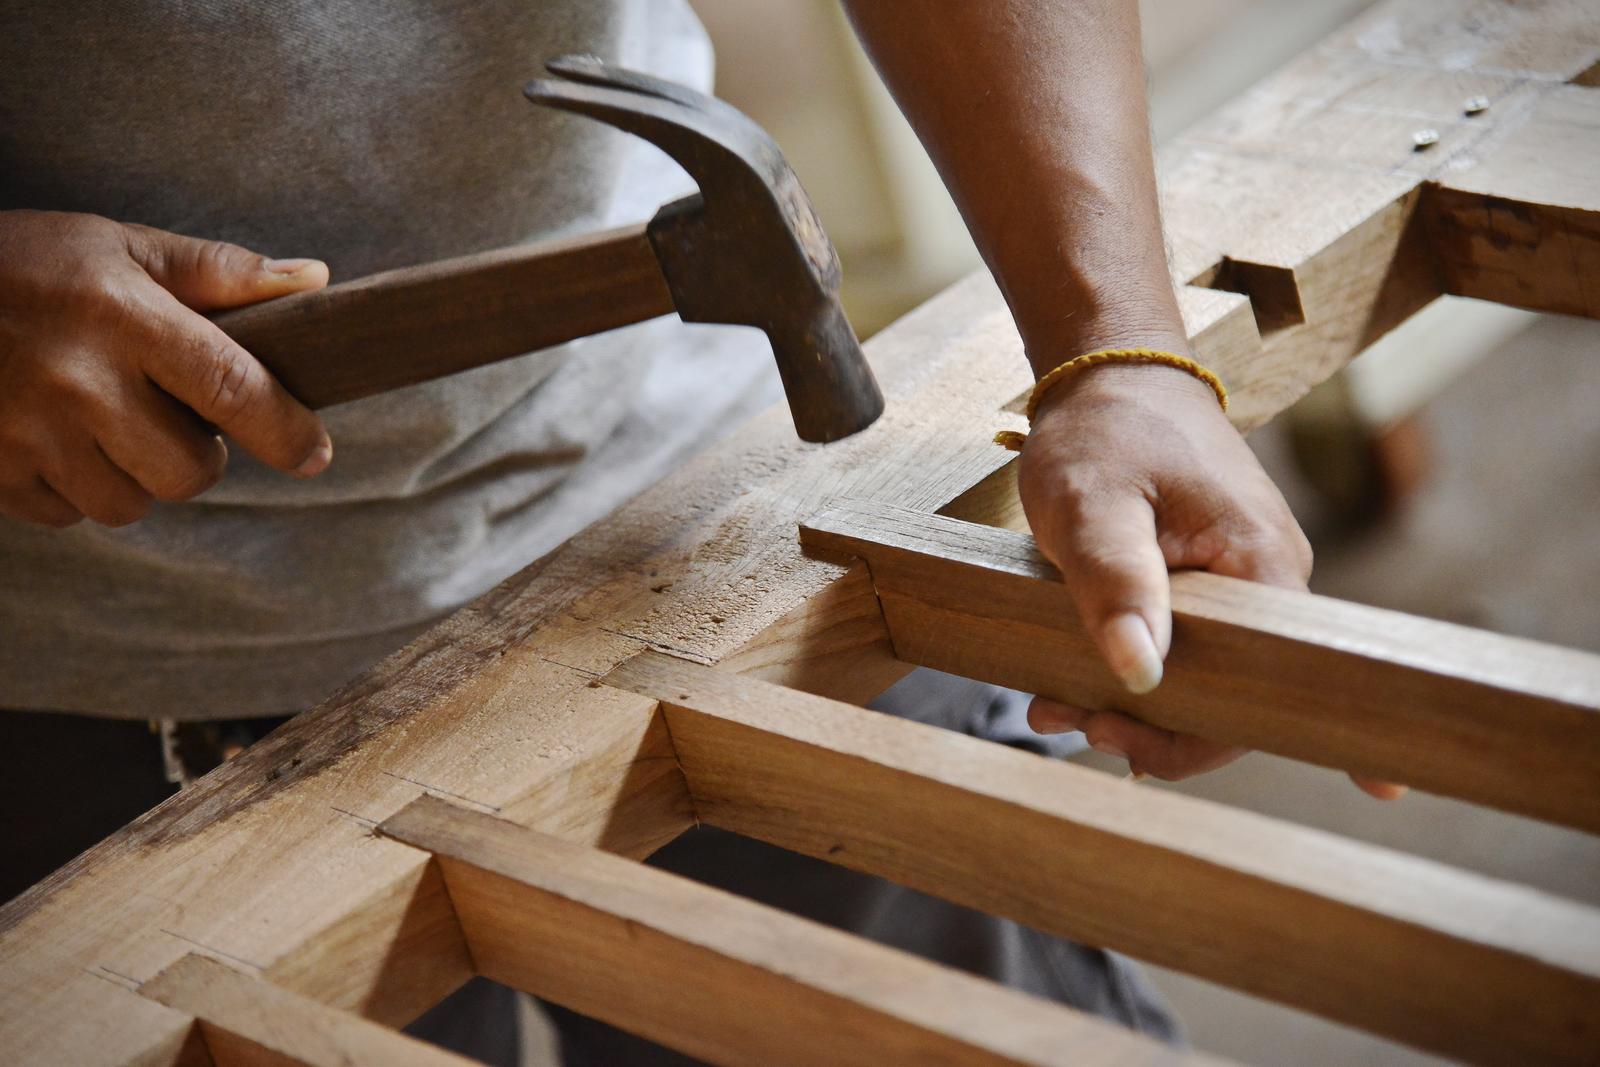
x=477, y=803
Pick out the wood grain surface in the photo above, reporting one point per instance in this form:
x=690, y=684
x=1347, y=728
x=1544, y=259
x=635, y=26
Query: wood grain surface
x=247, y=1022
x=1405, y=947
x=1497, y=720
x=269, y=862
x=721, y=978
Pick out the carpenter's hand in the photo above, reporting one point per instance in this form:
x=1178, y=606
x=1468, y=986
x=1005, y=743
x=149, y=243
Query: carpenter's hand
x=109, y=376
x=1129, y=471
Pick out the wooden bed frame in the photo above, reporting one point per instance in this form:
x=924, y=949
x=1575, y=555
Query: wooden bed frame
x=478, y=802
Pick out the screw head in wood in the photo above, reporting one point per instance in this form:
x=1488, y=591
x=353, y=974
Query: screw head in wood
x=1475, y=105
x=1424, y=139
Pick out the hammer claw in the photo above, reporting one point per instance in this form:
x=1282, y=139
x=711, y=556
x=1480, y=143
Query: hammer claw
x=704, y=141
x=612, y=104
x=592, y=70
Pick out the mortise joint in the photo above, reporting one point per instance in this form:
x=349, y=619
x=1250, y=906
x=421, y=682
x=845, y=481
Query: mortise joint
x=1274, y=291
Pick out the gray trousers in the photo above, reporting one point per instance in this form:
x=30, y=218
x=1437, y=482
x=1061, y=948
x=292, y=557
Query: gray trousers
x=1090, y=979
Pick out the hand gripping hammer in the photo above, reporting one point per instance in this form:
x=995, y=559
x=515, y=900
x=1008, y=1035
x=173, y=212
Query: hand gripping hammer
x=746, y=249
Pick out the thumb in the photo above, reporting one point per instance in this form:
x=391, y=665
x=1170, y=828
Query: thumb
x=1117, y=575
x=211, y=275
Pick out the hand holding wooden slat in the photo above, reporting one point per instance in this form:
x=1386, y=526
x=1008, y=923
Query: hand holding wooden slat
x=1498, y=720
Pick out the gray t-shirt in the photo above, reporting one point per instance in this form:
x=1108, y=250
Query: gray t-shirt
x=371, y=134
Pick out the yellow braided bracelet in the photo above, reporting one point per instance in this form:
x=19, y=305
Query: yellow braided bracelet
x=1013, y=440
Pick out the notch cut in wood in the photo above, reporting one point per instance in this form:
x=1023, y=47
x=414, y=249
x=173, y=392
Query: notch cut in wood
x=1273, y=291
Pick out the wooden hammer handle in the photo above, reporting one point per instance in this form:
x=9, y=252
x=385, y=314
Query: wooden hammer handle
x=418, y=323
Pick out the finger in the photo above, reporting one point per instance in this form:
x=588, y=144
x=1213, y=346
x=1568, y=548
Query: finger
x=1148, y=749
x=1046, y=716
x=163, y=446
x=1117, y=575
x=209, y=275
x=1152, y=750
x=226, y=386
x=1379, y=789
x=38, y=503
x=97, y=488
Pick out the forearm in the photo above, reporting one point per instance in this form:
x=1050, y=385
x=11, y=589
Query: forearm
x=1035, y=115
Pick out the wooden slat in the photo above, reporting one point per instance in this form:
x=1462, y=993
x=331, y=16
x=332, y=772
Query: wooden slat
x=248, y=1022
x=1452, y=710
x=720, y=977
x=271, y=860
x=1405, y=947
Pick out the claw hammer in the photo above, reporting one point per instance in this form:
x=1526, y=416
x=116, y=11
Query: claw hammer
x=746, y=249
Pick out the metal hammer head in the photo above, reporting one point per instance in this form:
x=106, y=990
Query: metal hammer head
x=748, y=248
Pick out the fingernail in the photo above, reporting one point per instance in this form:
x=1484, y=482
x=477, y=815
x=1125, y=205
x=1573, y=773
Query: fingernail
x=1107, y=748
x=317, y=461
x=1132, y=653
x=285, y=266
x=1046, y=720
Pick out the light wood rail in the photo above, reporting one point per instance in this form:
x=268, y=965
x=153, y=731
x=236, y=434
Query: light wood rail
x=719, y=977
x=1408, y=948
x=1450, y=709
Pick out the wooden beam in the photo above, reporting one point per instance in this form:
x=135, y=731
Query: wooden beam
x=249, y=1022
x=722, y=978
x=1502, y=207
x=1519, y=222
x=1462, y=712
x=1405, y=947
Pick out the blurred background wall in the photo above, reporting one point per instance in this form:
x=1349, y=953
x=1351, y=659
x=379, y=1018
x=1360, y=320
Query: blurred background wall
x=1452, y=471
